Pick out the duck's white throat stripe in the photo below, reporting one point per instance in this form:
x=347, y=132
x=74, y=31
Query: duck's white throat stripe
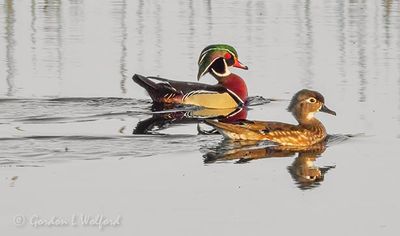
x=227, y=72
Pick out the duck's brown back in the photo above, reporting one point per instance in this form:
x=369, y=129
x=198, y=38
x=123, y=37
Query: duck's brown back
x=296, y=135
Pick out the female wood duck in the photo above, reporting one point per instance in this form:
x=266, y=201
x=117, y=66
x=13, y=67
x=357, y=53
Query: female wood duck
x=229, y=92
x=303, y=106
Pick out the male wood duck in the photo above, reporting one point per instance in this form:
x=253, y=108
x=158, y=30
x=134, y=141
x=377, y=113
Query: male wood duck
x=303, y=106
x=229, y=92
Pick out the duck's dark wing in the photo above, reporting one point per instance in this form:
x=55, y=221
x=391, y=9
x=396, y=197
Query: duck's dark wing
x=160, y=86
x=186, y=87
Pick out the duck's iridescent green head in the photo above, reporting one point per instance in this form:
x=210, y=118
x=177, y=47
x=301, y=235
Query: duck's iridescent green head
x=212, y=53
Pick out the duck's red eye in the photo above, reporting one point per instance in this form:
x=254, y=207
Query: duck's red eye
x=228, y=56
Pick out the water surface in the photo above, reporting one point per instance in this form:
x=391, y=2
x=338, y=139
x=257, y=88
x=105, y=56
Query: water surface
x=68, y=111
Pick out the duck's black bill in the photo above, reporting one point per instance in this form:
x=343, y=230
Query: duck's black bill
x=327, y=110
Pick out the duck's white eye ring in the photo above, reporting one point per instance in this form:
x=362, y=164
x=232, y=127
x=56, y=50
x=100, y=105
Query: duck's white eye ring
x=312, y=100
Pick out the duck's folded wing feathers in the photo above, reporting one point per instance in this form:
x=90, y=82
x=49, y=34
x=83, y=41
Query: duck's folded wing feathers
x=190, y=89
x=265, y=127
x=187, y=87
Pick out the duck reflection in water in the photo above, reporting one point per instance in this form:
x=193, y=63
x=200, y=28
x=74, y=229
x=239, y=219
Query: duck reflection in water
x=303, y=170
x=165, y=116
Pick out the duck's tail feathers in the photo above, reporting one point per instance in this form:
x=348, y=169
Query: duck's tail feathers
x=230, y=131
x=151, y=87
x=235, y=131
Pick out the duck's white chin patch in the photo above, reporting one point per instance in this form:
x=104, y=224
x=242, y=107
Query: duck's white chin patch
x=310, y=115
x=227, y=72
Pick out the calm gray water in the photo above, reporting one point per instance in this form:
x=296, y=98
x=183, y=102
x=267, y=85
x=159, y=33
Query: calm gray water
x=70, y=118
